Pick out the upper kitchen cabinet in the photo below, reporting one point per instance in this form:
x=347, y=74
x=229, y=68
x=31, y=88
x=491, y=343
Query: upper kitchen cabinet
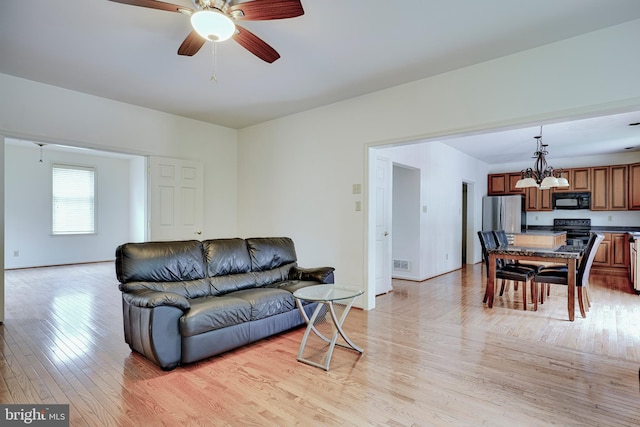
x=538, y=200
x=634, y=186
x=578, y=180
x=564, y=173
x=500, y=184
x=609, y=188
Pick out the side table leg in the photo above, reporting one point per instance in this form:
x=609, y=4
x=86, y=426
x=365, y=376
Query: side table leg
x=337, y=323
x=310, y=327
x=340, y=322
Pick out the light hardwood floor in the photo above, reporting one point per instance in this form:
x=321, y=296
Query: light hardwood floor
x=434, y=355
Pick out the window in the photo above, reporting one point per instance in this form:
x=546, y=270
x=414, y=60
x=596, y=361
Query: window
x=73, y=201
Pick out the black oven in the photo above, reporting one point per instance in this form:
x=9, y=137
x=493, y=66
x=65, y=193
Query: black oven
x=578, y=230
x=577, y=200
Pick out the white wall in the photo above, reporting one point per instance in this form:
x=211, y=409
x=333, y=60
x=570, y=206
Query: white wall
x=406, y=213
x=138, y=231
x=39, y=112
x=443, y=170
x=296, y=173
x=28, y=239
x=2, y=231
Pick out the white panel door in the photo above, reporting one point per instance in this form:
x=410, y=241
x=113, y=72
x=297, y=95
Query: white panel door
x=383, y=225
x=176, y=199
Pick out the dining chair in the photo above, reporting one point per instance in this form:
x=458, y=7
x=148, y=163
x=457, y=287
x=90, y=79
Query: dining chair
x=507, y=272
x=503, y=240
x=559, y=275
x=562, y=270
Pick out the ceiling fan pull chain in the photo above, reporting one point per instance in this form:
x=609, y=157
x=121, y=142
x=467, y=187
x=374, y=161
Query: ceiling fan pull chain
x=214, y=52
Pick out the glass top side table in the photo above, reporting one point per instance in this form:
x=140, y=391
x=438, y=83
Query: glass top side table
x=331, y=299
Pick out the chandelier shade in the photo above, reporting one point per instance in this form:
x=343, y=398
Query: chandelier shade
x=541, y=175
x=212, y=25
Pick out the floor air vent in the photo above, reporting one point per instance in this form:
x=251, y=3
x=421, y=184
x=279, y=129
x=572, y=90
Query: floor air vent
x=401, y=264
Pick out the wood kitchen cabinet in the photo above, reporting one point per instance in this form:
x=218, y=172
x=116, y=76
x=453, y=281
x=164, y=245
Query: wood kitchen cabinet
x=579, y=180
x=613, y=252
x=634, y=187
x=501, y=184
x=619, y=186
x=620, y=250
x=538, y=200
x=613, y=188
x=609, y=188
x=565, y=173
x=603, y=254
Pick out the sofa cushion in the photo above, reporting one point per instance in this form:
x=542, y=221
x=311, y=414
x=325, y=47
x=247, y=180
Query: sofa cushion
x=292, y=285
x=210, y=313
x=270, y=252
x=188, y=289
x=160, y=261
x=221, y=285
x=226, y=256
x=278, y=274
x=266, y=302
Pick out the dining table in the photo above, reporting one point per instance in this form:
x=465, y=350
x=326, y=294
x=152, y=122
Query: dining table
x=545, y=255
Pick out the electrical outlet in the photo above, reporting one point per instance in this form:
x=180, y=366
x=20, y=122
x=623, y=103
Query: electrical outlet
x=358, y=206
x=610, y=218
x=16, y=253
x=357, y=188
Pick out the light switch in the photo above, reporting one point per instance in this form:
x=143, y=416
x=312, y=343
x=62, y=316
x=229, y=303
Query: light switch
x=357, y=189
x=358, y=206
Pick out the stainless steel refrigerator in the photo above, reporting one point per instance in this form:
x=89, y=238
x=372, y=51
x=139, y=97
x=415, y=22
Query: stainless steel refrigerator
x=504, y=213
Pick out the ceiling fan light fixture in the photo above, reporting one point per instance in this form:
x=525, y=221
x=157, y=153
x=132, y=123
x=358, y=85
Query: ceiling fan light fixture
x=212, y=25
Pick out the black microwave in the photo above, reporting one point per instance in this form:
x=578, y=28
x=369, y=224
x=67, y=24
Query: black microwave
x=577, y=200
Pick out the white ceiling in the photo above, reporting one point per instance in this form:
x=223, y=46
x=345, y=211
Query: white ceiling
x=337, y=50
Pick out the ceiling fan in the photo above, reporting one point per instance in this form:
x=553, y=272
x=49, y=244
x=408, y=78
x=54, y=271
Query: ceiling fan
x=214, y=20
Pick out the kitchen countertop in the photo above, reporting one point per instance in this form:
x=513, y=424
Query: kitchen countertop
x=542, y=232
x=604, y=229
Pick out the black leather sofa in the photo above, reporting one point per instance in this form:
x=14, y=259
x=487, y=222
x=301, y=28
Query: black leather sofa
x=184, y=301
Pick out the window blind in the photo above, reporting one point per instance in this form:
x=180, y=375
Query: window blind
x=73, y=200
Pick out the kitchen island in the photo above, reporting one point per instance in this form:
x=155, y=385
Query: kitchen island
x=540, y=239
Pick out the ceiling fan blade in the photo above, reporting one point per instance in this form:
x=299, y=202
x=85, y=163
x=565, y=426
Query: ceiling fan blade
x=191, y=45
x=260, y=10
x=255, y=45
x=153, y=4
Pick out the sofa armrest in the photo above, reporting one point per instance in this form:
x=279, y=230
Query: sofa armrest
x=318, y=274
x=148, y=299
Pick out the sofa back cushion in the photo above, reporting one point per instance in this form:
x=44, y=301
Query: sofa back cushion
x=269, y=253
x=160, y=262
x=188, y=289
x=221, y=285
x=268, y=277
x=226, y=256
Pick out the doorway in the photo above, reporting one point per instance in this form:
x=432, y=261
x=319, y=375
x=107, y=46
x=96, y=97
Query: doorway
x=120, y=209
x=464, y=222
x=406, y=212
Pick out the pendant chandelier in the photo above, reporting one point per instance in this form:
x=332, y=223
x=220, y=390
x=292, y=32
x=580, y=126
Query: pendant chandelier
x=541, y=175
